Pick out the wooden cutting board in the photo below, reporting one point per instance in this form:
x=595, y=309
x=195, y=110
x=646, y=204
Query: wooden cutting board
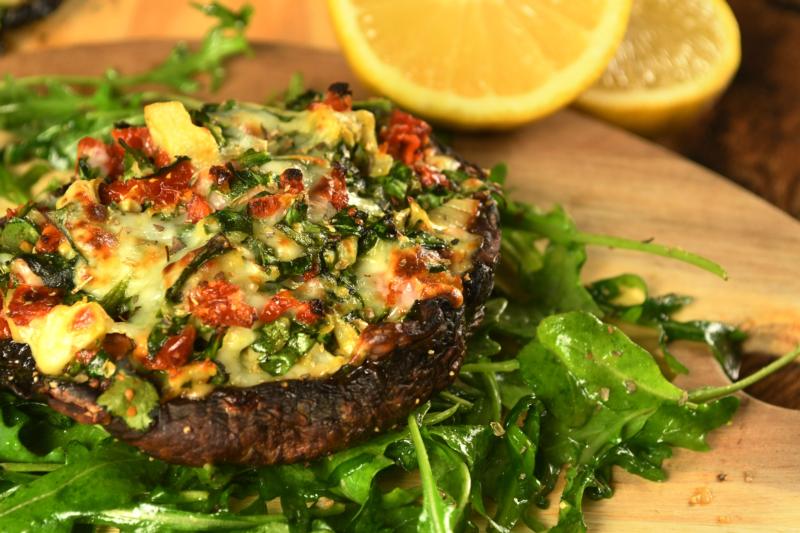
x=612, y=182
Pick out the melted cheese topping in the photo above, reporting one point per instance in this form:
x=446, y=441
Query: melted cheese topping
x=172, y=129
x=329, y=283
x=55, y=337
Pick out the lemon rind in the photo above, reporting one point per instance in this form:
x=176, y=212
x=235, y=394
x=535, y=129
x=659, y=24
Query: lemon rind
x=606, y=102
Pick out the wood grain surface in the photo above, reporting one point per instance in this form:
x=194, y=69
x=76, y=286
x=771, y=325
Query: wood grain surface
x=615, y=183
x=106, y=21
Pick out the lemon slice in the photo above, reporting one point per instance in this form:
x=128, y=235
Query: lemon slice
x=676, y=58
x=479, y=63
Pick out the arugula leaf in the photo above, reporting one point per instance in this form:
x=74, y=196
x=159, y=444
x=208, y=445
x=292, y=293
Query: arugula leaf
x=148, y=517
x=111, y=477
x=48, y=115
x=626, y=298
x=606, y=403
x=437, y=516
x=600, y=355
x=510, y=475
x=30, y=432
x=559, y=228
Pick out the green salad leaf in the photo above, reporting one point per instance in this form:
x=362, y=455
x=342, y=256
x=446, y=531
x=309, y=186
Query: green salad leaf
x=109, y=477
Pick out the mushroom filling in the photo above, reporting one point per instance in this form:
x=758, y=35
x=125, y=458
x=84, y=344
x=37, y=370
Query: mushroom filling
x=234, y=245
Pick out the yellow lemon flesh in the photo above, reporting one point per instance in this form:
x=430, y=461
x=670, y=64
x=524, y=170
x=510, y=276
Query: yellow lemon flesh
x=479, y=63
x=676, y=58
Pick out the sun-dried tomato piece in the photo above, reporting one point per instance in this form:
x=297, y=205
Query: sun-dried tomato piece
x=431, y=177
x=283, y=302
x=264, y=206
x=29, y=302
x=117, y=345
x=222, y=175
x=333, y=188
x=175, y=351
x=49, y=240
x=197, y=208
x=5, y=331
x=96, y=153
x=138, y=138
x=338, y=96
x=291, y=180
x=220, y=303
x=406, y=137
x=161, y=191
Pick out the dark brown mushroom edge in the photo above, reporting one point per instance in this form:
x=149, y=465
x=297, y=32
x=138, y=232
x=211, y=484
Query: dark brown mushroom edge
x=245, y=284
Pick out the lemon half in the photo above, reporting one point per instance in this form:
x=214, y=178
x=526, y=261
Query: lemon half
x=676, y=58
x=479, y=63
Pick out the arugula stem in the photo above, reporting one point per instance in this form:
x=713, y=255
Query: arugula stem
x=30, y=467
x=429, y=489
x=502, y=366
x=436, y=418
x=193, y=495
x=671, y=252
x=705, y=394
x=455, y=399
x=69, y=79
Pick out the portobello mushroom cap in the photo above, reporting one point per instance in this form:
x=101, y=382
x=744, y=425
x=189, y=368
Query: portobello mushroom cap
x=287, y=421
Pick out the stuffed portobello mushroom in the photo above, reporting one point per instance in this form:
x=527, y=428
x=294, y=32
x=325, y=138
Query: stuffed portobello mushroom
x=247, y=284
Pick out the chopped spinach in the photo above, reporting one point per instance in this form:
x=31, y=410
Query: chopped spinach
x=252, y=158
x=231, y=220
x=280, y=344
x=116, y=302
x=218, y=244
x=396, y=182
x=55, y=270
x=135, y=163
